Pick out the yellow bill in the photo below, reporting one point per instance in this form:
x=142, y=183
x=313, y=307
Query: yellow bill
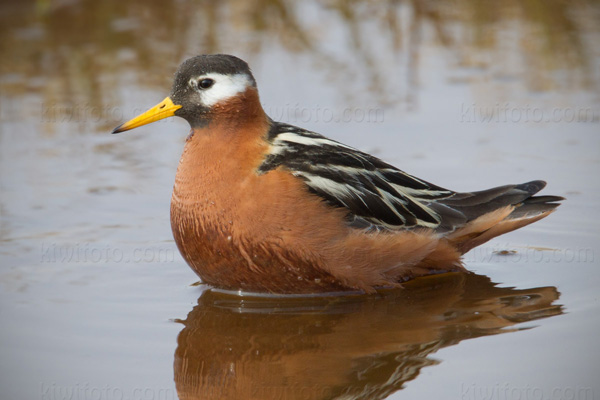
x=164, y=109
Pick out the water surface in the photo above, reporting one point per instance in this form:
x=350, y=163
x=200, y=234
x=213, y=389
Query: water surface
x=96, y=302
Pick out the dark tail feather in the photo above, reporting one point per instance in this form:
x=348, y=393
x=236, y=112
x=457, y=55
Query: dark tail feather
x=487, y=213
x=475, y=204
x=535, y=205
x=543, y=199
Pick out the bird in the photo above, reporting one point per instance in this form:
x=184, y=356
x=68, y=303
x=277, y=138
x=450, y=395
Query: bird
x=261, y=206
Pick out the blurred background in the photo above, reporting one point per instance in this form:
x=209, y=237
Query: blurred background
x=96, y=301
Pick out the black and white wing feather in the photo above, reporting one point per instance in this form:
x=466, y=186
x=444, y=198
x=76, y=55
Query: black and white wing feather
x=379, y=196
x=376, y=194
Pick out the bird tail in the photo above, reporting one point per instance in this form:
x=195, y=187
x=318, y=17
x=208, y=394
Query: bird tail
x=496, y=211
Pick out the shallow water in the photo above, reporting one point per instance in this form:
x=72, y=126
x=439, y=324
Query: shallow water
x=96, y=302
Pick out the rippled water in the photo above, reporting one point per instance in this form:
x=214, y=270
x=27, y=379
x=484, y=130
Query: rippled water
x=95, y=300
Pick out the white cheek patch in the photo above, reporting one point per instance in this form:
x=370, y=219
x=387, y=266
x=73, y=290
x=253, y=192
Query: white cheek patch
x=225, y=87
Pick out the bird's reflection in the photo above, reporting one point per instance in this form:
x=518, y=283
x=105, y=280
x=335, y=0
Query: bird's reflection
x=361, y=347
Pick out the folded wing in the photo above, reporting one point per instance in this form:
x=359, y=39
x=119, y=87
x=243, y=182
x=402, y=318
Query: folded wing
x=379, y=196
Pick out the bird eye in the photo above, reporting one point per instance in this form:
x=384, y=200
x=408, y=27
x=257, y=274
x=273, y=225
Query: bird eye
x=205, y=83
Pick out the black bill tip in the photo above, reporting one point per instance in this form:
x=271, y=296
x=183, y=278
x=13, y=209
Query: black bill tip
x=118, y=129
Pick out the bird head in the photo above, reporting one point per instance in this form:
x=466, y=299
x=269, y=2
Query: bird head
x=202, y=84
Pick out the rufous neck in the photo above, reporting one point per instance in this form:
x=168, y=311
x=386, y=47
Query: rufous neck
x=237, y=115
